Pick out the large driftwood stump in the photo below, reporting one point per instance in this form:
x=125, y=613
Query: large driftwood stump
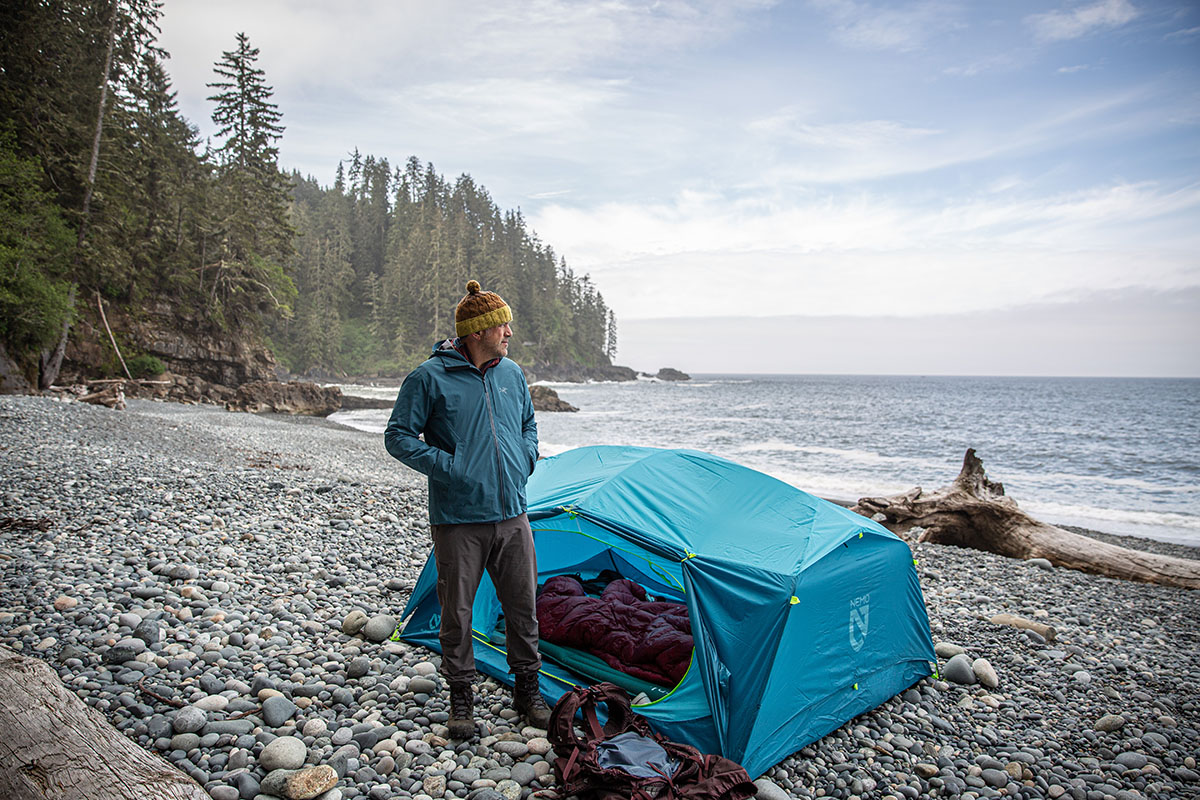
x=53, y=747
x=974, y=512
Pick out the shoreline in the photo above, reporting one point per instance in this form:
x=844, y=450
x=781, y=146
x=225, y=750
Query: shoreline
x=841, y=448
x=237, y=544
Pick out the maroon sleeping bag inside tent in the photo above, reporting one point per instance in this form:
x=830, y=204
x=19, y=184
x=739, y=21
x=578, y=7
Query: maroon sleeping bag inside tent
x=648, y=639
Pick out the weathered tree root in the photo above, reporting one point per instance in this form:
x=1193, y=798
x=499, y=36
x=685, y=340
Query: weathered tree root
x=974, y=512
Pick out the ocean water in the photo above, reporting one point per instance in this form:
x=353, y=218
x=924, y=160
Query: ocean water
x=1111, y=454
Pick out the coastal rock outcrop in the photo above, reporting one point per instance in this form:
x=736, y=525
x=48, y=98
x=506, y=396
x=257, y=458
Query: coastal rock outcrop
x=12, y=379
x=293, y=397
x=577, y=373
x=354, y=403
x=546, y=399
x=672, y=374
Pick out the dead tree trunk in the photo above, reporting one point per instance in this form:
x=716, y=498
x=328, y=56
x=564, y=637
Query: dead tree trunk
x=53, y=747
x=974, y=512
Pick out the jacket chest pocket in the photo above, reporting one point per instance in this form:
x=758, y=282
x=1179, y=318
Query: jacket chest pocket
x=508, y=409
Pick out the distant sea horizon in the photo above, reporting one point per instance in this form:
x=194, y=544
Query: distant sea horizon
x=1113, y=454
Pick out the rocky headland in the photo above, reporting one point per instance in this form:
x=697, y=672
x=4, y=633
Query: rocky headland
x=222, y=586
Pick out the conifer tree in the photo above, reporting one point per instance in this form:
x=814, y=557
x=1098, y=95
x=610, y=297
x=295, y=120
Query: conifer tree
x=252, y=237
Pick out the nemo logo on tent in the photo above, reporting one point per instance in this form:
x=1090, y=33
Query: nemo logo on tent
x=860, y=608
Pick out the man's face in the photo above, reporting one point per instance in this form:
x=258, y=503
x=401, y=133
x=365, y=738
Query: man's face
x=493, y=342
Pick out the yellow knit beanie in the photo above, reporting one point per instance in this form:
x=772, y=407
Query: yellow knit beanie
x=480, y=310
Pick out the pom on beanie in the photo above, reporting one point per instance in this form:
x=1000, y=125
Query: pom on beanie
x=480, y=310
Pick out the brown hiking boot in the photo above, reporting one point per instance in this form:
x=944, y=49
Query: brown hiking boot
x=462, y=711
x=528, y=702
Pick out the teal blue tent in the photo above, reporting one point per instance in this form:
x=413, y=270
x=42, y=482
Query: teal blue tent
x=804, y=614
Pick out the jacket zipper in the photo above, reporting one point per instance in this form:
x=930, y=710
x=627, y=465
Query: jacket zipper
x=487, y=398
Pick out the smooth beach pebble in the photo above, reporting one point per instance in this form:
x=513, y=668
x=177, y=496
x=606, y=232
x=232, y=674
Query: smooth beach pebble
x=958, y=669
x=354, y=622
x=286, y=752
x=379, y=627
x=985, y=673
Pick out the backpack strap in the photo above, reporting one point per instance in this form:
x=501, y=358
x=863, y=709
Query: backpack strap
x=584, y=700
x=620, y=712
x=561, y=732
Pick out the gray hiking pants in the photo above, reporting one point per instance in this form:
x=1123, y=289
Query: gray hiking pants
x=505, y=550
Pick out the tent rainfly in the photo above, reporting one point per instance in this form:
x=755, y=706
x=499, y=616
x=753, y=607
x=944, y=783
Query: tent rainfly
x=804, y=614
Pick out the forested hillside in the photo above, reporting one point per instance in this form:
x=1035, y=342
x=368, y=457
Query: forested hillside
x=110, y=200
x=383, y=256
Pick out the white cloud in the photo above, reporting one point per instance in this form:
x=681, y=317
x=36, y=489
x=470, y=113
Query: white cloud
x=549, y=77
x=408, y=41
x=869, y=255
x=875, y=27
x=1186, y=33
x=1056, y=26
x=866, y=134
x=805, y=153
x=496, y=107
x=987, y=65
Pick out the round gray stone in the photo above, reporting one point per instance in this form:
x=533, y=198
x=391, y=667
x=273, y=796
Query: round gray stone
x=523, y=773
x=995, y=777
x=277, y=710
x=422, y=686
x=985, y=673
x=379, y=627
x=189, y=719
x=286, y=752
x=958, y=670
x=354, y=622
x=769, y=790
x=185, y=741
x=947, y=649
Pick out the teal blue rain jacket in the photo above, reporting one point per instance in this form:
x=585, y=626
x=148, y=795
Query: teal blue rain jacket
x=480, y=436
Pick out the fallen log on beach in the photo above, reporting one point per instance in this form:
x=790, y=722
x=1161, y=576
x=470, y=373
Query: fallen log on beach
x=974, y=512
x=53, y=747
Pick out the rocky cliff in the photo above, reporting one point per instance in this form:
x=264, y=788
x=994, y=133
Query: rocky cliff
x=186, y=343
x=575, y=373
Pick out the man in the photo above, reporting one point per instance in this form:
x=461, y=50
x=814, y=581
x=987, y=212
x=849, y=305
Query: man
x=480, y=445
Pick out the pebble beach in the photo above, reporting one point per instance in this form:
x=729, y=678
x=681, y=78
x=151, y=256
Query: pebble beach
x=221, y=586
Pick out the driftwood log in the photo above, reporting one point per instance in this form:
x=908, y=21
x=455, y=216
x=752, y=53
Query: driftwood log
x=112, y=395
x=974, y=512
x=54, y=747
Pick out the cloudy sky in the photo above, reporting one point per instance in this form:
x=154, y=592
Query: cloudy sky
x=935, y=187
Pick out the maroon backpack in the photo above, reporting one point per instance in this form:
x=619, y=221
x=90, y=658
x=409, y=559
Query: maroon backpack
x=639, y=764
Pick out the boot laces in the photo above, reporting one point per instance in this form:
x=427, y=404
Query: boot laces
x=461, y=701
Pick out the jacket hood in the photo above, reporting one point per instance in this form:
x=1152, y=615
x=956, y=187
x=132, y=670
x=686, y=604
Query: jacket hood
x=446, y=349
x=444, y=346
